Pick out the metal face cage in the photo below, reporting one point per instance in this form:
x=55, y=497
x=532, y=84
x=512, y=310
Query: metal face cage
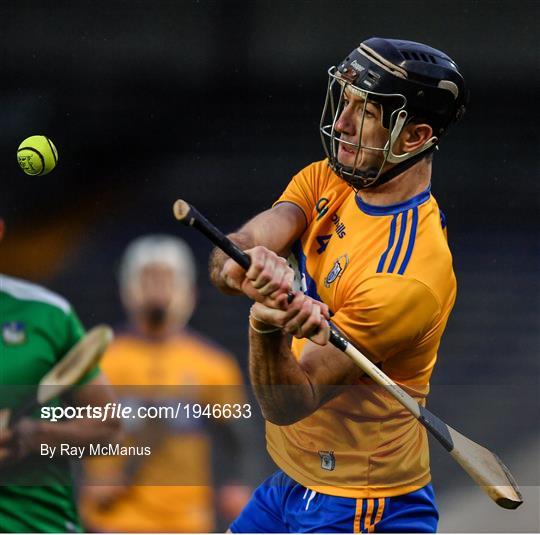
x=394, y=117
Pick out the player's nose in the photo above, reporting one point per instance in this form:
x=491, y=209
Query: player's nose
x=345, y=123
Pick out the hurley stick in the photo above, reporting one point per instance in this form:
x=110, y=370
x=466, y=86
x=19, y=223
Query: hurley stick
x=485, y=468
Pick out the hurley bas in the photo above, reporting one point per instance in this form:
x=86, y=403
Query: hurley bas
x=79, y=452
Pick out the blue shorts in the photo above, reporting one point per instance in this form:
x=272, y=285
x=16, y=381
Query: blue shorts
x=280, y=505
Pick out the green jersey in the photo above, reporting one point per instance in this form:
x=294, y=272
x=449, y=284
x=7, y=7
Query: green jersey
x=38, y=328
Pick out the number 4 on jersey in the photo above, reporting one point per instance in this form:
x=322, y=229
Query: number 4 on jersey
x=323, y=242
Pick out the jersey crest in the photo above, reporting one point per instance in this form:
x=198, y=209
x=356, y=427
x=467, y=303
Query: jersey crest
x=14, y=333
x=328, y=460
x=337, y=269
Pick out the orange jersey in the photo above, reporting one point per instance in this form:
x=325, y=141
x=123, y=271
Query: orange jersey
x=386, y=274
x=159, y=502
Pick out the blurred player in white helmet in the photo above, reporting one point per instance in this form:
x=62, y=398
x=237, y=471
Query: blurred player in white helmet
x=173, y=489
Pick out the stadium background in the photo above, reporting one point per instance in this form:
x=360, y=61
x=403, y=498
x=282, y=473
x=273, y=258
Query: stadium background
x=219, y=103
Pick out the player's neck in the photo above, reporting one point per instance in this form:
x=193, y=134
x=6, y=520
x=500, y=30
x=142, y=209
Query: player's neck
x=157, y=333
x=405, y=186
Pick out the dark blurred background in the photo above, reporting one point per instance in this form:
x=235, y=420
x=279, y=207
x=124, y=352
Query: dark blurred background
x=218, y=102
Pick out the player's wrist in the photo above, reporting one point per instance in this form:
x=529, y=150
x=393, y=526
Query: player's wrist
x=261, y=327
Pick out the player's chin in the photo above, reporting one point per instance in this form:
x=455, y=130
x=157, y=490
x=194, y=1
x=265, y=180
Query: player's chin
x=347, y=157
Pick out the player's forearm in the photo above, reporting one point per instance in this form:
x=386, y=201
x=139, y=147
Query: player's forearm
x=283, y=389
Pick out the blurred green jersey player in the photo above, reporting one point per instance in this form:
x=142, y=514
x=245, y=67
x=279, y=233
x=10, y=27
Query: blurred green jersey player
x=38, y=327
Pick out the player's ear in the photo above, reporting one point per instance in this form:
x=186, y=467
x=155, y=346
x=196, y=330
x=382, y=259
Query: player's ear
x=415, y=135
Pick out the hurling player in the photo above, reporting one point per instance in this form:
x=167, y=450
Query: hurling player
x=368, y=240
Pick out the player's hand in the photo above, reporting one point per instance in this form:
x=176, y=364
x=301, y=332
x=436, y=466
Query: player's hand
x=304, y=318
x=268, y=280
x=6, y=436
x=18, y=441
x=4, y=420
x=233, y=275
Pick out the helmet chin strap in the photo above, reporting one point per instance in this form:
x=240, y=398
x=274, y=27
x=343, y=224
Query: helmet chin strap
x=394, y=134
x=403, y=165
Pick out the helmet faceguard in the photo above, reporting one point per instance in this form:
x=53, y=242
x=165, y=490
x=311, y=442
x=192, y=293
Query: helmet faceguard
x=409, y=82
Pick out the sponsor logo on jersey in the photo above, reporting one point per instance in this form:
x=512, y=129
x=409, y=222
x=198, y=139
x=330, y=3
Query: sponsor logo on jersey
x=340, y=227
x=337, y=269
x=14, y=333
x=322, y=207
x=328, y=460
